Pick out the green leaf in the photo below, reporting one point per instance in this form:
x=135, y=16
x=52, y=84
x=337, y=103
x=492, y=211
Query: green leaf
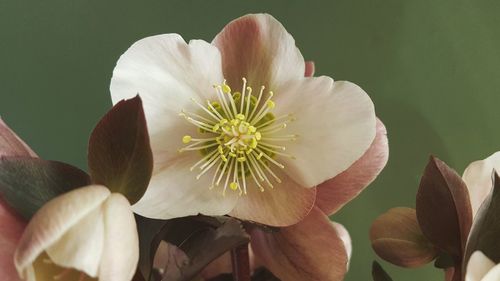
x=378, y=273
x=120, y=155
x=485, y=233
x=396, y=237
x=202, y=239
x=443, y=208
x=26, y=184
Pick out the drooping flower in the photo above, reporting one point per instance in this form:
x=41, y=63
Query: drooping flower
x=86, y=234
x=481, y=268
x=237, y=129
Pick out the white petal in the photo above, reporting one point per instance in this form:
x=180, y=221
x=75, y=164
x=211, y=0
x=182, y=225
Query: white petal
x=55, y=219
x=335, y=123
x=167, y=72
x=121, y=241
x=81, y=246
x=478, y=178
x=175, y=192
x=493, y=274
x=346, y=238
x=478, y=266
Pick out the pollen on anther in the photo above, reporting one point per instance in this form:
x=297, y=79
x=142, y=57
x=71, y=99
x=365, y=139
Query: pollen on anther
x=233, y=186
x=186, y=139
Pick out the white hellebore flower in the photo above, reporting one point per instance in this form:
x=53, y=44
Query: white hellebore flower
x=86, y=234
x=236, y=128
x=481, y=268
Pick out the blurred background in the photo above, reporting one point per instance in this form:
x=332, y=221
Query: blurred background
x=431, y=67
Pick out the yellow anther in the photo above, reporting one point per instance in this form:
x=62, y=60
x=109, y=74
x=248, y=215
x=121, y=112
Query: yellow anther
x=249, y=151
x=252, y=129
x=223, y=158
x=240, y=116
x=270, y=104
x=217, y=139
x=233, y=185
x=223, y=121
x=241, y=159
x=234, y=122
x=260, y=156
x=226, y=89
x=221, y=151
x=271, y=93
x=258, y=135
x=186, y=139
x=253, y=143
x=216, y=127
x=232, y=154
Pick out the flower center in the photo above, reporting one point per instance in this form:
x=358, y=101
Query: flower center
x=240, y=138
x=46, y=269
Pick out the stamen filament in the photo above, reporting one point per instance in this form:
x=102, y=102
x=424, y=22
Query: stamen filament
x=207, y=168
x=224, y=104
x=198, y=147
x=257, y=103
x=243, y=93
x=205, y=109
x=268, y=158
x=243, y=177
x=288, y=117
x=208, y=121
x=216, y=112
x=248, y=100
x=273, y=146
x=262, y=172
x=203, y=159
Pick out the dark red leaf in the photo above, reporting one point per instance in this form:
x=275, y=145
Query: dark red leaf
x=443, y=208
x=120, y=155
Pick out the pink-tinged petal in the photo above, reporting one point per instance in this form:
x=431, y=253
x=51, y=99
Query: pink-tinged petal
x=337, y=192
x=477, y=177
x=11, y=229
x=11, y=144
x=310, y=250
x=259, y=48
x=285, y=204
x=310, y=68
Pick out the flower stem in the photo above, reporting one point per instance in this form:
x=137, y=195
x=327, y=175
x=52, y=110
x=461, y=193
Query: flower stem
x=241, y=263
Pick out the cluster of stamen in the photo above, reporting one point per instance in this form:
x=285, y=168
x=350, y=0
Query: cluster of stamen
x=242, y=138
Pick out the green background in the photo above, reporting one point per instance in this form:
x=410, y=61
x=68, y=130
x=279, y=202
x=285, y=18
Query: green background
x=431, y=67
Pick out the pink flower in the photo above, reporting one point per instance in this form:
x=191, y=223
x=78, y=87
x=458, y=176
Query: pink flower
x=267, y=144
x=240, y=113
